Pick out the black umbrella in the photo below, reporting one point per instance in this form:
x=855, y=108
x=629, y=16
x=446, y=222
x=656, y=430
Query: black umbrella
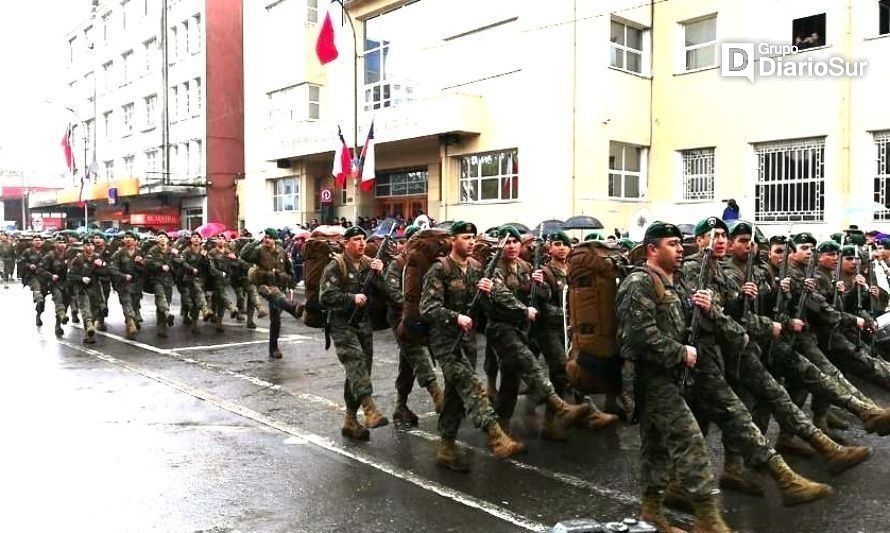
x=548, y=226
x=582, y=222
x=445, y=224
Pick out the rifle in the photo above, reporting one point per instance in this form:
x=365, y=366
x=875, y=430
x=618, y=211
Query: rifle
x=486, y=273
x=779, y=305
x=366, y=283
x=805, y=294
x=857, y=261
x=539, y=245
x=695, y=323
x=873, y=302
x=749, y=272
x=838, y=302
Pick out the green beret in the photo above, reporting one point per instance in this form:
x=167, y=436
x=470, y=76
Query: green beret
x=663, y=230
x=848, y=251
x=463, y=227
x=411, y=230
x=629, y=244
x=827, y=247
x=88, y=240
x=739, y=227
x=61, y=239
x=559, y=236
x=804, y=238
x=708, y=224
x=355, y=231
x=131, y=234
x=885, y=244
x=838, y=237
x=271, y=233
x=856, y=236
x=509, y=231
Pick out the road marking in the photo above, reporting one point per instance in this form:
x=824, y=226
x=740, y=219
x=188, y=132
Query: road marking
x=322, y=442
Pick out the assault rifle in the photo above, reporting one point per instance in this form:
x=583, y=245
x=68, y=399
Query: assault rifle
x=536, y=265
x=749, y=272
x=366, y=283
x=838, y=302
x=695, y=323
x=805, y=294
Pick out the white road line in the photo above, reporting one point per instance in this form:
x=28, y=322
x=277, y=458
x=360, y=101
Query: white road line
x=285, y=338
x=323, y=443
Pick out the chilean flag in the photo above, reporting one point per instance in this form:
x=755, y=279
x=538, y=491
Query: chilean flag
x=66, y=148
x=367, y=162
x=325, y=48
x=342, y=161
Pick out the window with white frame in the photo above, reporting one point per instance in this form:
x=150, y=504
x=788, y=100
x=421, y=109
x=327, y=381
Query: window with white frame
x=700, y=41
x=196, y=37
x=89, y=87
x=151, y=112
x=198, y=96
x=128, y=118
x=109, y=170
x=106, y=27
x=174, y=45
x=186, y=38
x=129, y=161
x=627, y=170
x=312, y=11
x=626, y=50
x=197, y=155
x=107, y=76
x=186, y=159
x=151, y=163
x=883, y=17
x=174, y=161
x=107, y=117
x=286, y=194
x=152, y=52
x=698, y=174
x=174, y=103
x=125, y=7
x=126, y=66
x=386, y=84
x=489, y=177
x=314, y=95
x=790, y=184
x=88, y=38
x=72, y=44
x=187, y=99
x=882, y=174
x=401, y=183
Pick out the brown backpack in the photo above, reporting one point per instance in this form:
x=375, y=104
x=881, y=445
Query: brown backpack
x=318, y=250
x=421, y=251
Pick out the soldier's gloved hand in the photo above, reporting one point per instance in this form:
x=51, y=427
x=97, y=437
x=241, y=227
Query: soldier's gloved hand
x=860, y=280
x=138, y=259
x=32, y=266
x=360, y=300
x=810, y=284
x=860, y=323
x=485, y=285
x=874, y=291
x=777, y=330
x=128, y=277
x=691, y=356
x=55, y=277
x=841, y=286
x=532, y=313
x=538, y=276
x=230, y=255
x=796, y=325
x=464, y=322
x=97, y=262
x=785, y=284
x=750, y=290
x=377, y=265
x=702, y=299
x=195, y=271
x=85, y=280
x=165, y=268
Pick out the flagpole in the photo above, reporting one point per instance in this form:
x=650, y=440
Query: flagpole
x=83, y=177
x=355, y=58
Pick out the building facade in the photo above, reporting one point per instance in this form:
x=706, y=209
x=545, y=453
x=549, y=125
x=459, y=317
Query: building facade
x=156, y=93
x=616, y=109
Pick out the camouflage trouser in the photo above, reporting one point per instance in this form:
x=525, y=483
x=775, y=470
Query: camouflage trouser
x=239, y=286
x=747, y=375
x=218, y=300
x=106, y=294
x=37, y=291
x=517, y=362
x=550, y=340
x=414, y=363
x=163, y=296
x=713, y=400
x=806, y=345
x=849, y=357
x=193, y=299
x=8, y=266
x=464, y=394
x=61, y=299
x=89, y=299
x=130, y=297
x=672, y=443
x=355, y=350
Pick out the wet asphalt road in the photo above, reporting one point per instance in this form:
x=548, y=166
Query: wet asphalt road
x=207, y=434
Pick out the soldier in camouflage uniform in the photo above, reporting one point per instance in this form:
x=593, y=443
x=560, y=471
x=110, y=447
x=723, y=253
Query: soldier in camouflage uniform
x=161, y=262
x=350, y=328
x=221, y=262
x=750, y=378
x=84, y=274
x=103, y=252
x=510, y=314
x=193, y=270
x=29, y=262
x=711, y=396
x=127, y=269
x=448, y=289
x=269, y=277
x=653, y=309
x=238, y=279
x=414, y=361
x=7, y=259
x=54, y=272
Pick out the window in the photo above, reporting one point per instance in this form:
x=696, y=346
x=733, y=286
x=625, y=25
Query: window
x=88, y=38
x=883, y=17
x=790, y=184
x=151, y=54
x=186, y=99
x=109, y=170
x=198, y=96
x=402, y=183
x=174, y=100
x=71, y=44
x=125, y=6
x=186, y=159
x=698, y=174
x=107, y=75
x=312, y=11
x=386, y=84
x=107, y=116
x=128, y=119
x=186, y=38
x=151, y=163
x=198, y=157
x=489, y=177
x=882, y=174
x=314, y=101
x=128, y=165
x=701, y=43
x=627, y=47
x=808, y=32
x=91, y=133
x=285, y=194
x=151, y=104
x=174, y=45
x=106, y=27
x=174, y=160
x=627, y=178
x=126, y=66
x=195, y=45
x=89, y=86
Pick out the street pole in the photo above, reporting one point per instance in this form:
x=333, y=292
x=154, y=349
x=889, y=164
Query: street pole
x=83, y=177
x=355, y=153
x=24, y=208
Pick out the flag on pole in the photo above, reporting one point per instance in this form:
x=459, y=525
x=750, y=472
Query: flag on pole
x=367, y=162
x=325, y=48
x=342, y=161
x=68, y=151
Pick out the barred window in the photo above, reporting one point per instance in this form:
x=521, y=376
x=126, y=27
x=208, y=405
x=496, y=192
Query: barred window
x=790, y=183
x=698, y=174
x=882, y=176
x=489, y=177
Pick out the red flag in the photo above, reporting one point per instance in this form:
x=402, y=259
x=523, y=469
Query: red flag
x=367, y=162
x=66, y=148
x=325, y=48
x=342, y=161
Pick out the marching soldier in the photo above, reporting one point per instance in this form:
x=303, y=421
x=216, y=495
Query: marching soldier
x=221, y=262
x=29, y=263
x=350, y=328
x=84, y=274
x=102, y=251
x=193, y=267
x=54, y=272
x=269, y=276
x=653, y=306
x=127, y=268
x=160, y=261
x=7, y=259
x=448, y=289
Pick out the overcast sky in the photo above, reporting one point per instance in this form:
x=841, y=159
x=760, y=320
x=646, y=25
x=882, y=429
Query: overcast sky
x=32, y=62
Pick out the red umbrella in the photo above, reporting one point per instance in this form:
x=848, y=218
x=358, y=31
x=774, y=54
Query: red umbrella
x=210, y=229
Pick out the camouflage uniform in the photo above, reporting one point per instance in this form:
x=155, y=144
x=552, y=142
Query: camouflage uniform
x=161, y=282
x=269, y=276
x=219, y=268
x=29, y=262
x=129, y=293
x=104, y=252
x=446, y=294
x=652, y=333
x=52, y=264
x=7, y=259
x=89, y=295
x=194, y=302
x=548, y=331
